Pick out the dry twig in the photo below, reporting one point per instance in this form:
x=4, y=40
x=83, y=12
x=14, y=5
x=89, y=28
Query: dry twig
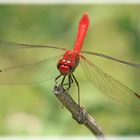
x=78, y=113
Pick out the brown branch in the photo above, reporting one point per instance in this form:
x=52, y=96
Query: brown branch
x=78, y=113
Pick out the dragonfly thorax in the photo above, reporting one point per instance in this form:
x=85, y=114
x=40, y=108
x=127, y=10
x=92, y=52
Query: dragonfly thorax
x=69, y=62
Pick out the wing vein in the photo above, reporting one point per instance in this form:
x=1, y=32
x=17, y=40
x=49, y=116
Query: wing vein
x=110, y=86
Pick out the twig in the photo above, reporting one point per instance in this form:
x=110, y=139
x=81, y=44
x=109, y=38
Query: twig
x=78, y=113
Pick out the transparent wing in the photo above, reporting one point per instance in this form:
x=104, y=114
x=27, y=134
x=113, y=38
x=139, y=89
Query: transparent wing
x=112, y=58
x=109, y=86
x=4, y=44
x=30, y=73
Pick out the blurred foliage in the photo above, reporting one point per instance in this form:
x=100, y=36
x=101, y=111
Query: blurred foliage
x=33, y=110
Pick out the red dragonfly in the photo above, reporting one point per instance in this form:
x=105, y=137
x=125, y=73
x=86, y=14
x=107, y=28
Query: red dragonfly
x=40, y=71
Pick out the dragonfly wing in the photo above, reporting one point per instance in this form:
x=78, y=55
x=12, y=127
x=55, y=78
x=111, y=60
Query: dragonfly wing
x=112, y=58
x=30, y=73
x=109, y=86
x=10, y=45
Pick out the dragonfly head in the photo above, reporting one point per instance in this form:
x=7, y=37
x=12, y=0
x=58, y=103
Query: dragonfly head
x=64, y=69
x=68, y=63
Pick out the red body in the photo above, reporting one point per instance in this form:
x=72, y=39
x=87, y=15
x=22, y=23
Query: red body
x=70, y=59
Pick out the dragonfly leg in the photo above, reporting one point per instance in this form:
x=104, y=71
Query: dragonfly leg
x=57, y=78
x=71, y=77
x=78, y=88
x=70, y=81
x=63, y=81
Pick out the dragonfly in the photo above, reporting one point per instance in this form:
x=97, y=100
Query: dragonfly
x=64, y=66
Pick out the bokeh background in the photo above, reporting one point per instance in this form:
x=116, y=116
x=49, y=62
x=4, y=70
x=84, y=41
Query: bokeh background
x=33, y=109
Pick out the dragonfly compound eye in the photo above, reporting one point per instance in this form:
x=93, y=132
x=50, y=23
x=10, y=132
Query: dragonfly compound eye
x=64, y=69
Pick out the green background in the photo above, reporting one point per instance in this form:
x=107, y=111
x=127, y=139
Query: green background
x=33, y=110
